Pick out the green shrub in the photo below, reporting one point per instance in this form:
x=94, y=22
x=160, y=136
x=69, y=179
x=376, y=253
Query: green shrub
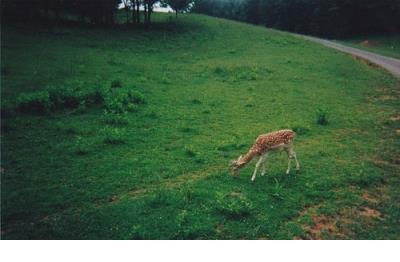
x=73, y=94
x=121, y=100
x=322, y=116
x=36, y=103
x=234, y=205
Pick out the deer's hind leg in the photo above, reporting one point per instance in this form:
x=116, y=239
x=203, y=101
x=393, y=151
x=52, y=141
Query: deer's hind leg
x=291, y=155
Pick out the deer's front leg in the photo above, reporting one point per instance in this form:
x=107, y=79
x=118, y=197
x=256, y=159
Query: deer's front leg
x=257, y=165
x=263, y=170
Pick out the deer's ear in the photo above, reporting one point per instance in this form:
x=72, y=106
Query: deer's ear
x=240, y=157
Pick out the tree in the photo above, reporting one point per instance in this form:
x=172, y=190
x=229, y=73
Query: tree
x=178, y=5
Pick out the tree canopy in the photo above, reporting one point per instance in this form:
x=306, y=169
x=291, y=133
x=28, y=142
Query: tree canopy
x=331, y=18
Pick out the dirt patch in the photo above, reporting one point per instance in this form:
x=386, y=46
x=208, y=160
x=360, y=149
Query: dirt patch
x=395, y=118
x=323, y=225
x=370, y=213
x=137, y=192
x=370, y=199
x=387, y=98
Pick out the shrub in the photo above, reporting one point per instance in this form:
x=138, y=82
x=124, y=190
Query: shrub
x=322, y=116
x=234, y=205
x=121, y=100
x=37, y=102
x=73, y=94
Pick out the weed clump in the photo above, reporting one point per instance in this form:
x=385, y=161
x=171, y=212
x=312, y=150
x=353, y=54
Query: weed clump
x=113, y=136
x=190, y=152
x=234, y=205
x=115, y=119
x=322, y=117
x=116, y=84
x=81, y=147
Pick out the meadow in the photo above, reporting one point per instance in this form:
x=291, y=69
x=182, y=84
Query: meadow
x=124, y=133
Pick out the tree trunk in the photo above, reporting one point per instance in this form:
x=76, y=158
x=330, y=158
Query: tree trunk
x=137, y=11
x=133, y=12
x=145, y=14
x=176, y=14
x=127, y=15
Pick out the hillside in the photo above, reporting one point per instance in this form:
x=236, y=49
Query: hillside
x=160, y=171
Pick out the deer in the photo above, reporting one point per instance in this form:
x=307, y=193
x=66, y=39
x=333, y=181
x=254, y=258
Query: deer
x=266, y=143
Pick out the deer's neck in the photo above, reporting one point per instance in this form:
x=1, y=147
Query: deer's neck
x=248, y=157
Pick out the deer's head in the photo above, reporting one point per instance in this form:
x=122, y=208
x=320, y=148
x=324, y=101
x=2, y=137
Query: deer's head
x=235, y=166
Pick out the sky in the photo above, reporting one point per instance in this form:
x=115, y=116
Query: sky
x=156, y=8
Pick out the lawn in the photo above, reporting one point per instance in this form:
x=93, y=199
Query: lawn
x=388, y=45
x=160, y=171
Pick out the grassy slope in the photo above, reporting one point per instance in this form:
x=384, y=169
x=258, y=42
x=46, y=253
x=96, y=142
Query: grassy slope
x=388, y=45
x=211, y=87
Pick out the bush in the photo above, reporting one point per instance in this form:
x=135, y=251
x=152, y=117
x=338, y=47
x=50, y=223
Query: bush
x=322, y=117
x=73, y=94
x=234, y=205
x=121, y=100
x=37, y=102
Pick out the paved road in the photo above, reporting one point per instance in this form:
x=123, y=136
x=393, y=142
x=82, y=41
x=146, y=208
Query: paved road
x=389, y=63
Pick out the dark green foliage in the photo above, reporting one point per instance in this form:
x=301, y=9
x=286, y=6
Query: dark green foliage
x=74, y=94
x=334, y=18
x=34, y=103
x=122, y=100
x=322, y=117
x=116, y=84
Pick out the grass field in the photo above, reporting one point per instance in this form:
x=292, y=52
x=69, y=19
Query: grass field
x=160, y=171
x=388, y=45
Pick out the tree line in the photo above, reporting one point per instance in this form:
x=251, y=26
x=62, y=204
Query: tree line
x=99, y=12
x=329, y=18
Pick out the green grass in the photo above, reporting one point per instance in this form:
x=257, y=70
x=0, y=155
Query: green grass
x=160, y=171
x=388, y=45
